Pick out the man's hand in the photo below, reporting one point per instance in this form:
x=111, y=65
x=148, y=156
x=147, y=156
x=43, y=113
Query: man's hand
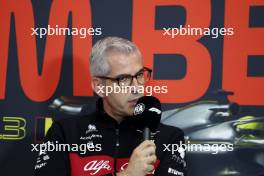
x=142, y=160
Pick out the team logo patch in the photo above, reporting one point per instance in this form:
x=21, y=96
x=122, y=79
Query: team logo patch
x=91, y=128
x=139, y=109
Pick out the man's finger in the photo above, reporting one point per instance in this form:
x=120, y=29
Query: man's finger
x=149, y=151
x=146, y=144
x=151, y=159
x=149, y=167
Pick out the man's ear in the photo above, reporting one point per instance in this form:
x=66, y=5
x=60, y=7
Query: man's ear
x=98, y=86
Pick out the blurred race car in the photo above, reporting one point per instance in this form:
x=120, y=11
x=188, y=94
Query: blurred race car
x=209, y=123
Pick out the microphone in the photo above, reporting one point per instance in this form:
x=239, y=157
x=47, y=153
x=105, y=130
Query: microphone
x=147, y=114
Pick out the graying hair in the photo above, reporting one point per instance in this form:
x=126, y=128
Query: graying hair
x=98, y=62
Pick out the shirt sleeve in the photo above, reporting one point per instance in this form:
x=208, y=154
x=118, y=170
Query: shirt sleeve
x=173, y=159
x=51, y=162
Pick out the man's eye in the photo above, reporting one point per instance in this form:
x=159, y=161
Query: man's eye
x=124, y=78
x=140, y=74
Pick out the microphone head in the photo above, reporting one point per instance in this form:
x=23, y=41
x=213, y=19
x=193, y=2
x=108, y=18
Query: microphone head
x=147, y=113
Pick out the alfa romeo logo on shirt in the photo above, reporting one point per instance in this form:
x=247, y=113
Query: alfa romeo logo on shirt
x=96, y=166
x=139, y=109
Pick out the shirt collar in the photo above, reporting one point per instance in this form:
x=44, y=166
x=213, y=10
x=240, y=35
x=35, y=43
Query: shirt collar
x=109, y=121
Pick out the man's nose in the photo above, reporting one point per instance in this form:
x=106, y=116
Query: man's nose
x=134, y=82
x=135, y=85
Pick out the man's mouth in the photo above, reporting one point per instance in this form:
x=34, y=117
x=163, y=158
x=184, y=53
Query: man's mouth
x=133, y=101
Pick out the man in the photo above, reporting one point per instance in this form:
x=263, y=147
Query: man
x=114, y=144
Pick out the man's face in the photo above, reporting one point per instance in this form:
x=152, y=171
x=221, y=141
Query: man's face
x=123, y=104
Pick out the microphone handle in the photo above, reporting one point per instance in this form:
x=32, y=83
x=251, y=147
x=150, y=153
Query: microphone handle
x=146, y=134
